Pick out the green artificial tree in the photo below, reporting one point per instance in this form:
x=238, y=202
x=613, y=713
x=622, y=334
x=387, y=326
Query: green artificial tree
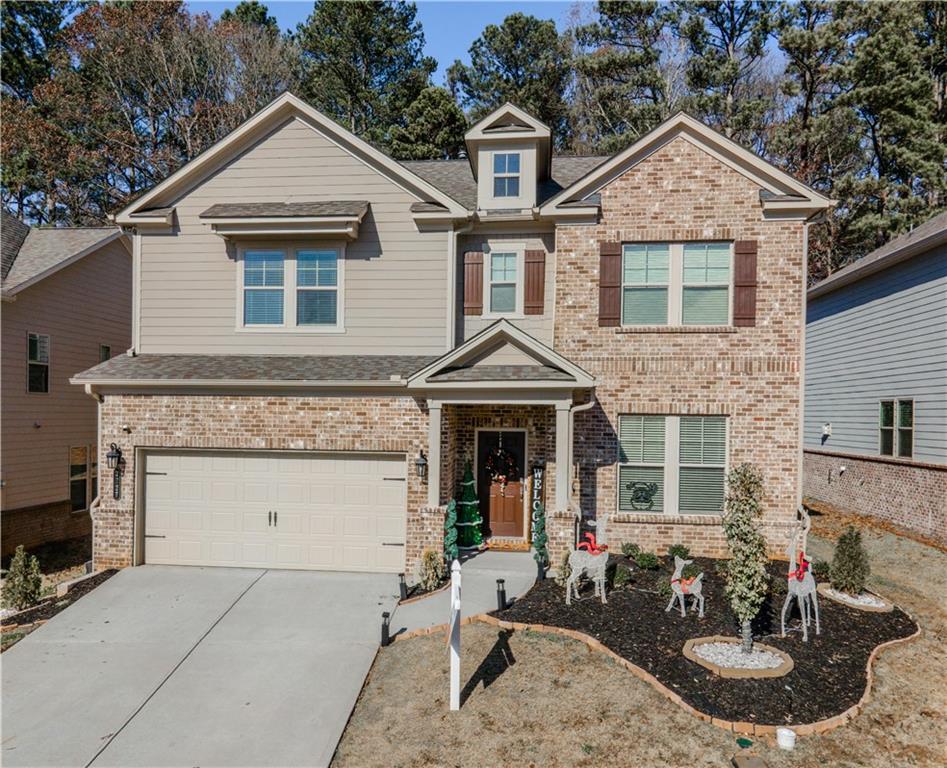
x=450, y=533
x=23, y=584
x=747, y=580
x=540, y=539
x=850, y=567
x=468, y=513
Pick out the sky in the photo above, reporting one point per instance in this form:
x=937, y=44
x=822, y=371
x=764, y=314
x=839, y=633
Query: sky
x=450, y=26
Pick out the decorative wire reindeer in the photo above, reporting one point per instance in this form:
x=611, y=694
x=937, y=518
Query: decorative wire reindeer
x=589, y=558
x=683, y=587
x=801, y=585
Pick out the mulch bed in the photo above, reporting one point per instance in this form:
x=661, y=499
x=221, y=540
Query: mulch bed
x=830, y=670
x=416, y=591
x=48, y=608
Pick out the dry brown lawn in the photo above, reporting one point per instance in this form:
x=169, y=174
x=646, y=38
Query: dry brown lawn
x=541, y=700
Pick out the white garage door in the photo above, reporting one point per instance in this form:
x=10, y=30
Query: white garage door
x=336, y=511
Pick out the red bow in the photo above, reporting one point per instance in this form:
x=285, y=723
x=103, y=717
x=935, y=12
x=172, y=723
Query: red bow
x=590, y=546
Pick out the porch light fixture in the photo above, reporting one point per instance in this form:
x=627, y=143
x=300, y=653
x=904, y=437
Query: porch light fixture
x=116, y=463
x=420, y=464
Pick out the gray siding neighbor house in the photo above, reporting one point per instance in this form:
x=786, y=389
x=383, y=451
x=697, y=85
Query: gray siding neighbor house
x=876, y=384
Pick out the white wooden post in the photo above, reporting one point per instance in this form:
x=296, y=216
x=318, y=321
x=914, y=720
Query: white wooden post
x=454, y=636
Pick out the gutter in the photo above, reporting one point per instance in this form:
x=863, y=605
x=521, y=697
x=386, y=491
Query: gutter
x=237, y=383
x=572, y=411
x=96, y=502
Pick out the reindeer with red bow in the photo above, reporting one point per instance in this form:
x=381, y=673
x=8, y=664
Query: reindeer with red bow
x=589, y=558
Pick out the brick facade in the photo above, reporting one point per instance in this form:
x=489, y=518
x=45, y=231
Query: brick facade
x=908, y=495
x=42, y=524
x=750, y=374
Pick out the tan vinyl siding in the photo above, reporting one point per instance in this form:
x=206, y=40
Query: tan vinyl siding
x=539, y=326
x=80, y=307
x=395, y=286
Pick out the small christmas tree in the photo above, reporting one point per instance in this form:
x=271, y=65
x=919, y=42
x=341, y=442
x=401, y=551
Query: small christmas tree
x=450, y=533
x=23, y=584
x=540, y=539
x=747, y=580
x=850, y=567
x=468, y=512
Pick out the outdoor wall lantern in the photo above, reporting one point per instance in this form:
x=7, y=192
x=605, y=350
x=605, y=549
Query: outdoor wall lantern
x=117, y=464
x=420, y=464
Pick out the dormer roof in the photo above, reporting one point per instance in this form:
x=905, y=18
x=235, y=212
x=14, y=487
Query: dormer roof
x=510, y=123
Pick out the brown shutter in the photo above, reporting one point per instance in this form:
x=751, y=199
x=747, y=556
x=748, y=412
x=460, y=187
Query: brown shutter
x=744, y=283
x=473, y=283
x=609, y=284
x=535, y=289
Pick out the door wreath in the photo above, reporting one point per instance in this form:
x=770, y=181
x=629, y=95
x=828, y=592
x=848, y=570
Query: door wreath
x=501, y=467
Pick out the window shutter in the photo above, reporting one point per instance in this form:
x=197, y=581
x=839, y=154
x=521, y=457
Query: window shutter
x=609, y=284
x=535, y=288
x=473, y=283
x=744, y=282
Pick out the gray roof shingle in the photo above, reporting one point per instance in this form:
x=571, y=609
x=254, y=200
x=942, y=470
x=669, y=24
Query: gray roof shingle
x=503, y=373
x=455, y=177
x=43, y=249
x=249, y=368
x=286, y=210
x=12, y=234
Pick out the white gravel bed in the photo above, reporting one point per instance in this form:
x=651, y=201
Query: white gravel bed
x=730, y=656
x=863, y=599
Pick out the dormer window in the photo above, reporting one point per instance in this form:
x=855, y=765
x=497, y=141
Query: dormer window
x=506, y=174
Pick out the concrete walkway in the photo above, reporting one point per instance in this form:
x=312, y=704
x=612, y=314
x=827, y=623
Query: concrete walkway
x=175, y=666
x=478, y=590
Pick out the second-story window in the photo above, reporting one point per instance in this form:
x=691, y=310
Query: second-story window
x=706, y=284
x=317, y=287
x=645, y=284
x=37, y=363
x=503, y=282
x=105, y=352
x=506, y=174
x=263, y=288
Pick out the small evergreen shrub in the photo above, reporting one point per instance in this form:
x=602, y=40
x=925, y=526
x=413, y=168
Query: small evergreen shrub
x=622, y=577
x=630, y=550
x=678, y=550
x=665, y=589
x=778, y=585
x=821, y=570
x=431, y=570
x=647, y=561
x=23, y=583
x=721, y=567
x=691, y=571
x=564, y=571
x=850, y=569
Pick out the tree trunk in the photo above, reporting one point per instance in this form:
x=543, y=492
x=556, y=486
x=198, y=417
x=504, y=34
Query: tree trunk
x=747, y=634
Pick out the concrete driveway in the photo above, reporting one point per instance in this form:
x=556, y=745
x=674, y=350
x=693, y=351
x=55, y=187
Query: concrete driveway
x=176, y=666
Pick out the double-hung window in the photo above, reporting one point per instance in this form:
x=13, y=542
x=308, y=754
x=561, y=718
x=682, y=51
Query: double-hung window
x=263, y=288
x=896, y=428
x=37, y=363
x=506, y=174
x=503, y=287
x=105, y=352
x=79, y=478
x=317, y=287
x=676, y=284
x=673, y=464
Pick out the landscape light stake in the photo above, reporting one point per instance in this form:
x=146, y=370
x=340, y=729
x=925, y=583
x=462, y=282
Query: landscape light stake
x=403, y=586
x=385, y=638
x=501, y=594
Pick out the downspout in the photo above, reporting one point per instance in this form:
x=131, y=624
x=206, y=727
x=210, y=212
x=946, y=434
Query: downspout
x=572, y=412
x=800, y=460
x=94, y=506
x=452, y=283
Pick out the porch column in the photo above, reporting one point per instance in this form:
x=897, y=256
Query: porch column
x=562, y=456
x=434, y=454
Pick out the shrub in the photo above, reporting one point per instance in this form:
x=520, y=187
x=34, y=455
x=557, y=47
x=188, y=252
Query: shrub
x=778, y=584
x=821, y=569
x=564, y=571
x=622, y=577
x=665, y=589
x=678, y=550
x=647, y=561
x=691, y=571
x=23, y=583
x=630, y=550
x=850, y=568
x=431, y=570
x=747, y=579
x=721, y=567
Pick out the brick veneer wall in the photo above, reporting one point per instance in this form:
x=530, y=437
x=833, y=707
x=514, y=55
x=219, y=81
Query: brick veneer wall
x=909, y=496
x=42, y=524
x=352, y=423
x=750, y=374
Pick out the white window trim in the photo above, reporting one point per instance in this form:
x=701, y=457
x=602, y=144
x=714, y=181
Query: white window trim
x=675, y=287
x=895, y=436
x=502, y=246
x=518, y=175
x=289, y=251
x=48, y=363
x=672, y=464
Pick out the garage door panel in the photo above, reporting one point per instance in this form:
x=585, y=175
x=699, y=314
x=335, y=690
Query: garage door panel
x=334, y=510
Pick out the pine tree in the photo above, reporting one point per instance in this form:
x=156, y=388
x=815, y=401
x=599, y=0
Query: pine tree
x=524, y=61
x=850, y=567
x=450, y=533
x=252, y=13
x=469, y=520
x=30, y=32
x=747, y=580
x=364, y=63
x=434, y=128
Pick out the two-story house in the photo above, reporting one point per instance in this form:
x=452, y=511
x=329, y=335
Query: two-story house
x=65, y=304
x=876, y=384
x=325, y=337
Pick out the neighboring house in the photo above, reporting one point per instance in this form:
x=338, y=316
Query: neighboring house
x=65, y=304
x=324, y=337
x=876, y=384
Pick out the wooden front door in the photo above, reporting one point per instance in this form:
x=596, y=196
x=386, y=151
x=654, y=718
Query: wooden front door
x=501, y=498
